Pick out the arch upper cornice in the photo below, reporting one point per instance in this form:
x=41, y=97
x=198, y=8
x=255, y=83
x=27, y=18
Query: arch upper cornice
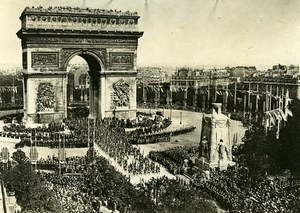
x=67, y=18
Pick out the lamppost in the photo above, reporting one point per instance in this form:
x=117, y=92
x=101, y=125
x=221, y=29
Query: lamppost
x=180, y=117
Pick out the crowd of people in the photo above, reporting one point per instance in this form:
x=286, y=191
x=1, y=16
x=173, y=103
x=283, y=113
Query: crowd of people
x=68, y=191
x=175, y=159
x=100, y=188
x=237, y=191
x=87, y=190
x=112, y=139
x=74, y=164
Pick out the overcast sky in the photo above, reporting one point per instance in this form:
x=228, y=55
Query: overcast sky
x=189, y=32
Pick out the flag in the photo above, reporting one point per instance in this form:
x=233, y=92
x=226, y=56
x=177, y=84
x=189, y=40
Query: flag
x=283, y=115
x=275, y=113
x=288, y=112
x=267, y=122
x=287, y=96
x=272, y=121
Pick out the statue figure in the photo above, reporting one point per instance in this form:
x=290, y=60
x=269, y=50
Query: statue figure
x=203, y=151
x=223, y=151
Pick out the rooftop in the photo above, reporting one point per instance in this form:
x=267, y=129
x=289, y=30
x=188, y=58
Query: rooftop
x=79, y=10
x=77, y=20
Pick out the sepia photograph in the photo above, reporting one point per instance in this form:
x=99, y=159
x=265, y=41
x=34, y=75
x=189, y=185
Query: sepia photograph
x=149, y=106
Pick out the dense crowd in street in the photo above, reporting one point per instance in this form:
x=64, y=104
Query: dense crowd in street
x=147, y=129
x=176, y=160
x=237, y=191
x=112, y=139
x=101, y=189
x=70, y=164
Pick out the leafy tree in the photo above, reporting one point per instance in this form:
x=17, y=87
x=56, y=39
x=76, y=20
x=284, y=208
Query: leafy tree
x=29, y=190
x=261, y=151
x=290, y=140
x=19, y=156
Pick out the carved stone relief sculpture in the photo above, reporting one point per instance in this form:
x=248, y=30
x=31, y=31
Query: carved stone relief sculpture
x=120, y=94
x=45, y=97
x=44, y=59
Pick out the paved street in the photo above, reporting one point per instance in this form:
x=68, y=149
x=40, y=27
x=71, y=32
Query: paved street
x=192, y=138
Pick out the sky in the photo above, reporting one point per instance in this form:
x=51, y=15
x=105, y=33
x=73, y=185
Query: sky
x=198, y=33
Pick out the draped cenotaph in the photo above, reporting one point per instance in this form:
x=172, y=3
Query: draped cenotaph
x=106, y=39
x=215, y=149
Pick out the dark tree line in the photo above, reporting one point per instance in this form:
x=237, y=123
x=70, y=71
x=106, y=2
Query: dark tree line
x=263, y=153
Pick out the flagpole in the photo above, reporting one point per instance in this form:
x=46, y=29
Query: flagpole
x=59, y=155
x=35, y=152
x=170, y=100
x=257, y=95
x=185, y=94
x=31, y=152
x=226, y=96
x=249, y=98
x=195, y=97
x=245, y=100
x=215, y=90
x=270, y=99
x=277, y=95
x=88, y=133
x=155, y=98
x=144, y=91
x=72, y=89
x=208, y=93
x=267, y=101
x=203, y=100
x=80, y=86
x=282, y=95
x=234, y=100
x=94, y=133
x=158, y=93
x=13, y=91
x=171, y=95
x=64, y=148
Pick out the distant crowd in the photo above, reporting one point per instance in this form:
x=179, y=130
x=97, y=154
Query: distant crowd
x=237, y=191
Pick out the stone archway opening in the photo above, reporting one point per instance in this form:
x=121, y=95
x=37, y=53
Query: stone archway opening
x=83, y=90
x=77, y=82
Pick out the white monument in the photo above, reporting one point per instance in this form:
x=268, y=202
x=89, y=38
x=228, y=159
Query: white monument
x=215, y=148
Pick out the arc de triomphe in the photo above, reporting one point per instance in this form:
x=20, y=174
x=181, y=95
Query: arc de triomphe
x=107, y=40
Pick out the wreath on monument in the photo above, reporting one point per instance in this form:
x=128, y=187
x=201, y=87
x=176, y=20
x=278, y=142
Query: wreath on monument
x=45, y=97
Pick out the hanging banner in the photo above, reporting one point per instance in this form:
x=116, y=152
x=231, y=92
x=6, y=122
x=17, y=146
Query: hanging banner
x=33, y=155
x=4, y=155
x=283, y=115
